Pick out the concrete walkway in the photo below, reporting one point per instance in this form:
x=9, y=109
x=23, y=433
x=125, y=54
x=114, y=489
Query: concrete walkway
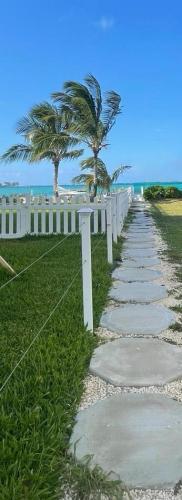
x=136, y=436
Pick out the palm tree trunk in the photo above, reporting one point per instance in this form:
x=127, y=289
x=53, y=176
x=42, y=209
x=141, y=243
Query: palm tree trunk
x=95, y=175
x=56, y=168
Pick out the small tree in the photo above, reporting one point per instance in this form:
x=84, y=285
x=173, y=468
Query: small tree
x=46, y=135
x=104, y=179
x=92, y=116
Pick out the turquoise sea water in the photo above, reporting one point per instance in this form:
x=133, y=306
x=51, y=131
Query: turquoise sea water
x=47, y=190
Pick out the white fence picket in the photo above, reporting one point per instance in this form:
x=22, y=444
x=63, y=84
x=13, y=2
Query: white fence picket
x=42, y=215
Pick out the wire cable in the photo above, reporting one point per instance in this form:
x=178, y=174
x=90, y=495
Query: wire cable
x=48, y=318
x=34, y=262
x=38, y=333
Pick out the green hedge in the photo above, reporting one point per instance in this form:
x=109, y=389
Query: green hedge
x=160, y=193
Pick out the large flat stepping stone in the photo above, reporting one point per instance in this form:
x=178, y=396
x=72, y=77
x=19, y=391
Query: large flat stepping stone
x=138, y=319
x=137, y=292
x=141, y=262
x=136, y=436
x=133, y=362
x=139, y=252
x=129, y=275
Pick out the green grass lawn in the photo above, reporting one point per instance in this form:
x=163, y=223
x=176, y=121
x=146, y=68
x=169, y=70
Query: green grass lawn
x=168, y=216
x=39, y=402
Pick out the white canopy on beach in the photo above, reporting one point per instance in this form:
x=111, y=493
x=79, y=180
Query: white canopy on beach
x=69, y=192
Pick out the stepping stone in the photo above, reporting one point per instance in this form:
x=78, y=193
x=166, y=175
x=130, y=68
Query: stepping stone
x=143, y=222
x=140, y=252
x=145, y=215
x=129, y=275
x=139, y=214
x=141, y=231
x=138, y=227
x=139, y=262
x=142, y=226
x=137, y=244
x=138, y=238
x=138, y=319
x=137, y=292
x=150, y=235
x=139, y=208
x=137, y=362
x=136, y=436
x=141, y=234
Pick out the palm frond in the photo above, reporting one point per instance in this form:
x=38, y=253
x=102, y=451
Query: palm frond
x=79, y=102
x=87, y=163
x=27, y=126
x=56, y=141
x=93, y=85
x=87, y=179
x=112, y=109
x=119, y=171
x=71, y=155
x=79, y=91
x=44, y=112
x=17, y=152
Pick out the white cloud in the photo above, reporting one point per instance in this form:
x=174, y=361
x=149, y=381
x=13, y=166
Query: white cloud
x=105, y=23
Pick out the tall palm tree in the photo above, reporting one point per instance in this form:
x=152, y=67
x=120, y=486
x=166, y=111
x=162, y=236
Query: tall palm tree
x=93, y=115
x=46, y=137
x=104, y=179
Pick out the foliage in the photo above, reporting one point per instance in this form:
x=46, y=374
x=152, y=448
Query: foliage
x=104, y=179
x=160, y=192
x=173, y=192
x=92, y=115
x=46, y=137
x=154, y=193
x=39, y=403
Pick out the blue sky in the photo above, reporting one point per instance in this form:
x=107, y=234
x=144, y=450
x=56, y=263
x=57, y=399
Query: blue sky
x=131, y=46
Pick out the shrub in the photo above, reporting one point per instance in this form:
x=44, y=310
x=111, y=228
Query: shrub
x=154, y=193
x=159, y=193
x=173, y=192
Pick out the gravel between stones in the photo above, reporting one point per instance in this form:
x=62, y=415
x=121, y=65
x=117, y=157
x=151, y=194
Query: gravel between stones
x=97, y=389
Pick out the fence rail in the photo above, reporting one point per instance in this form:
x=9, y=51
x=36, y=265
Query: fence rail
x=40, y=215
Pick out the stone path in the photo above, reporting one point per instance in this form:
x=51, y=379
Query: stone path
x=136, y=436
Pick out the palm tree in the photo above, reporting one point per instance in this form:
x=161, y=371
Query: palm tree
x=46, y=137
x=92, y=115
x=104, y=179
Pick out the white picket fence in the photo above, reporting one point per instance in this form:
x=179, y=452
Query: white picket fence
x=24, y=215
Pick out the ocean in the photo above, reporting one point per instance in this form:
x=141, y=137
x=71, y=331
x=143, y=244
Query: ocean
x=48, y=190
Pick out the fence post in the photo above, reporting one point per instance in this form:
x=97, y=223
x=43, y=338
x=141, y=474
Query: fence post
x=118, y=213
x=109, y=230
x=114, y=217
x=84, y=216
